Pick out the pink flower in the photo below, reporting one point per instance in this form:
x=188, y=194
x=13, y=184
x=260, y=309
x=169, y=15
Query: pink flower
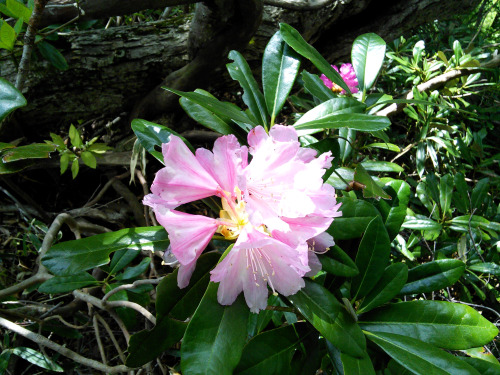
x=273, y=207
x=348, y=75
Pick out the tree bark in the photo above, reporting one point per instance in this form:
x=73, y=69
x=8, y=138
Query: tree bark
x=121, y=68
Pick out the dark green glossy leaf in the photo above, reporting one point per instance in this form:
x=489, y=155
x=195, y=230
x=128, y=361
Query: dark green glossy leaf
x=215, y=337
x=53, y=55
x=381, y=166
x=152, y=136
x=293, y=38
x=421, y=224
x=475, y=221
x=280, y=65
x=10, y=97
x=252, y=96
x=217, y=107
x=33, y=151
x=356, y=121
x=394, y=211
x=346, y=139
x=356, y=215
x=367, y=55
x=316, y=87
x=491, y=268
x=329, y=317
x=67, y=258
x=121, y=259
x=389, y=285
x=372, y=258
x=434, y=275
x=419, y=357
x=338, y=263
x=133, y=272
x=483, y=367
x=443, y=324
x=270, y=352
x=349, y=365
x=63, y=284
x=445, y=193
x=479, y=194
x=371, y=189
x=461, y=196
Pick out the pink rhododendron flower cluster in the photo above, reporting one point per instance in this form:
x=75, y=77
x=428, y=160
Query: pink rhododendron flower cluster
x=276, y=208
x=348, y=75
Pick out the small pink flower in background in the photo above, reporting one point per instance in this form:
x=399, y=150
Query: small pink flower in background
x=348, y=75
x=276, y=208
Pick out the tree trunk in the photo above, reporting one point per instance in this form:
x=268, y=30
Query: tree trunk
x=114, y=70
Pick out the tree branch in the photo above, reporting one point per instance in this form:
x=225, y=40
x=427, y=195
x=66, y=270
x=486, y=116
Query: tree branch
x=41, y=340
x=299, y=5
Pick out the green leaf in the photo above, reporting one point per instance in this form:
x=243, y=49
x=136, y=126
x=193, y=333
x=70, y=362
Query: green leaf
x=372, y=258
x=64, y=161
x=280, y=66
x=356, y=215
x=75, y=167
x=152, y=135
x=52, y=54
x=367, y=55
x=64, y=284
x=293, y=38
x=479, y=194
x=384, y=146
x=89, y=159
x=217, y=107
x=316, y=87
x=381, y=166
x=37, y=358
x=346, y=139
x=338, y=263
x=173, y=305
x=389, y=285
x=19, y=10
x=420, y=158
x=371, y=189
x=7, y=36
x=434, y=275
x=214, y=339
x=121, y=259
x=461, y=196
x=349, y=365
x=329, y=317
x=475, y=221
x=443, y=324
x=421, y=224
x=33, y=151
x=419, y=357
x=356, y=121
x=67, y=258
x=491, y=268
x=482, y=366
x=10, y=97
x=133, y=272
x=394, y=211
x=75, y=137
x=270, y=352
x=445, y=193
x=252, y=96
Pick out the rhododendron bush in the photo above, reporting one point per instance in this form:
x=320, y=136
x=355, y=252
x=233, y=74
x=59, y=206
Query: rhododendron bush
x=282, y=241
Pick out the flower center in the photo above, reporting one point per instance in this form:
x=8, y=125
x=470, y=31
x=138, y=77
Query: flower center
x=233, y=216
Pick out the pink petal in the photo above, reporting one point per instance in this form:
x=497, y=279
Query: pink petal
x=326, y=81
x=314, y=264
x=183, y=179
x=189, y=234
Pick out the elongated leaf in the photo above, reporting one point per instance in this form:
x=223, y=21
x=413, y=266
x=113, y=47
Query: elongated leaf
x=433, y=276
x=349, y=365
x=491, y=268
x=419, y=357
x=445, y=193
x=133, y=272
x=389, y=285
x=394, y=211
x=356, y=215
x=152, y=136
x=356, y=121
x=293, y=38
x=372, y=258
x=214, y=340
x=384, y=146
x=280, y=66
x=173, y=306
x=121, y=259
x=10, y=97
x=63, y=284
x=67, y=258
x=217, y=107
x=367, y=55
x=252, y=96
x=270, y=352
x=7, y=36
x=482, y=366
x=479, y=194
x=338, y=263
x=346, y=139
x=421, y=224
x=53, y=55
x=316, y=87
x=335, y=106
x=33, y=151
x=330, y=318
x=381, y=166
x=443, y=324
x=19, y=10
x=36, y=358
x=371, y=189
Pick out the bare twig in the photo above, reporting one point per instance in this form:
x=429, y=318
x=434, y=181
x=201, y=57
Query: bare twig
x=130, y=286
x=112, y=336
x=299, y=5
x=99, y=341
x=29, y=39
x=41, y=340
